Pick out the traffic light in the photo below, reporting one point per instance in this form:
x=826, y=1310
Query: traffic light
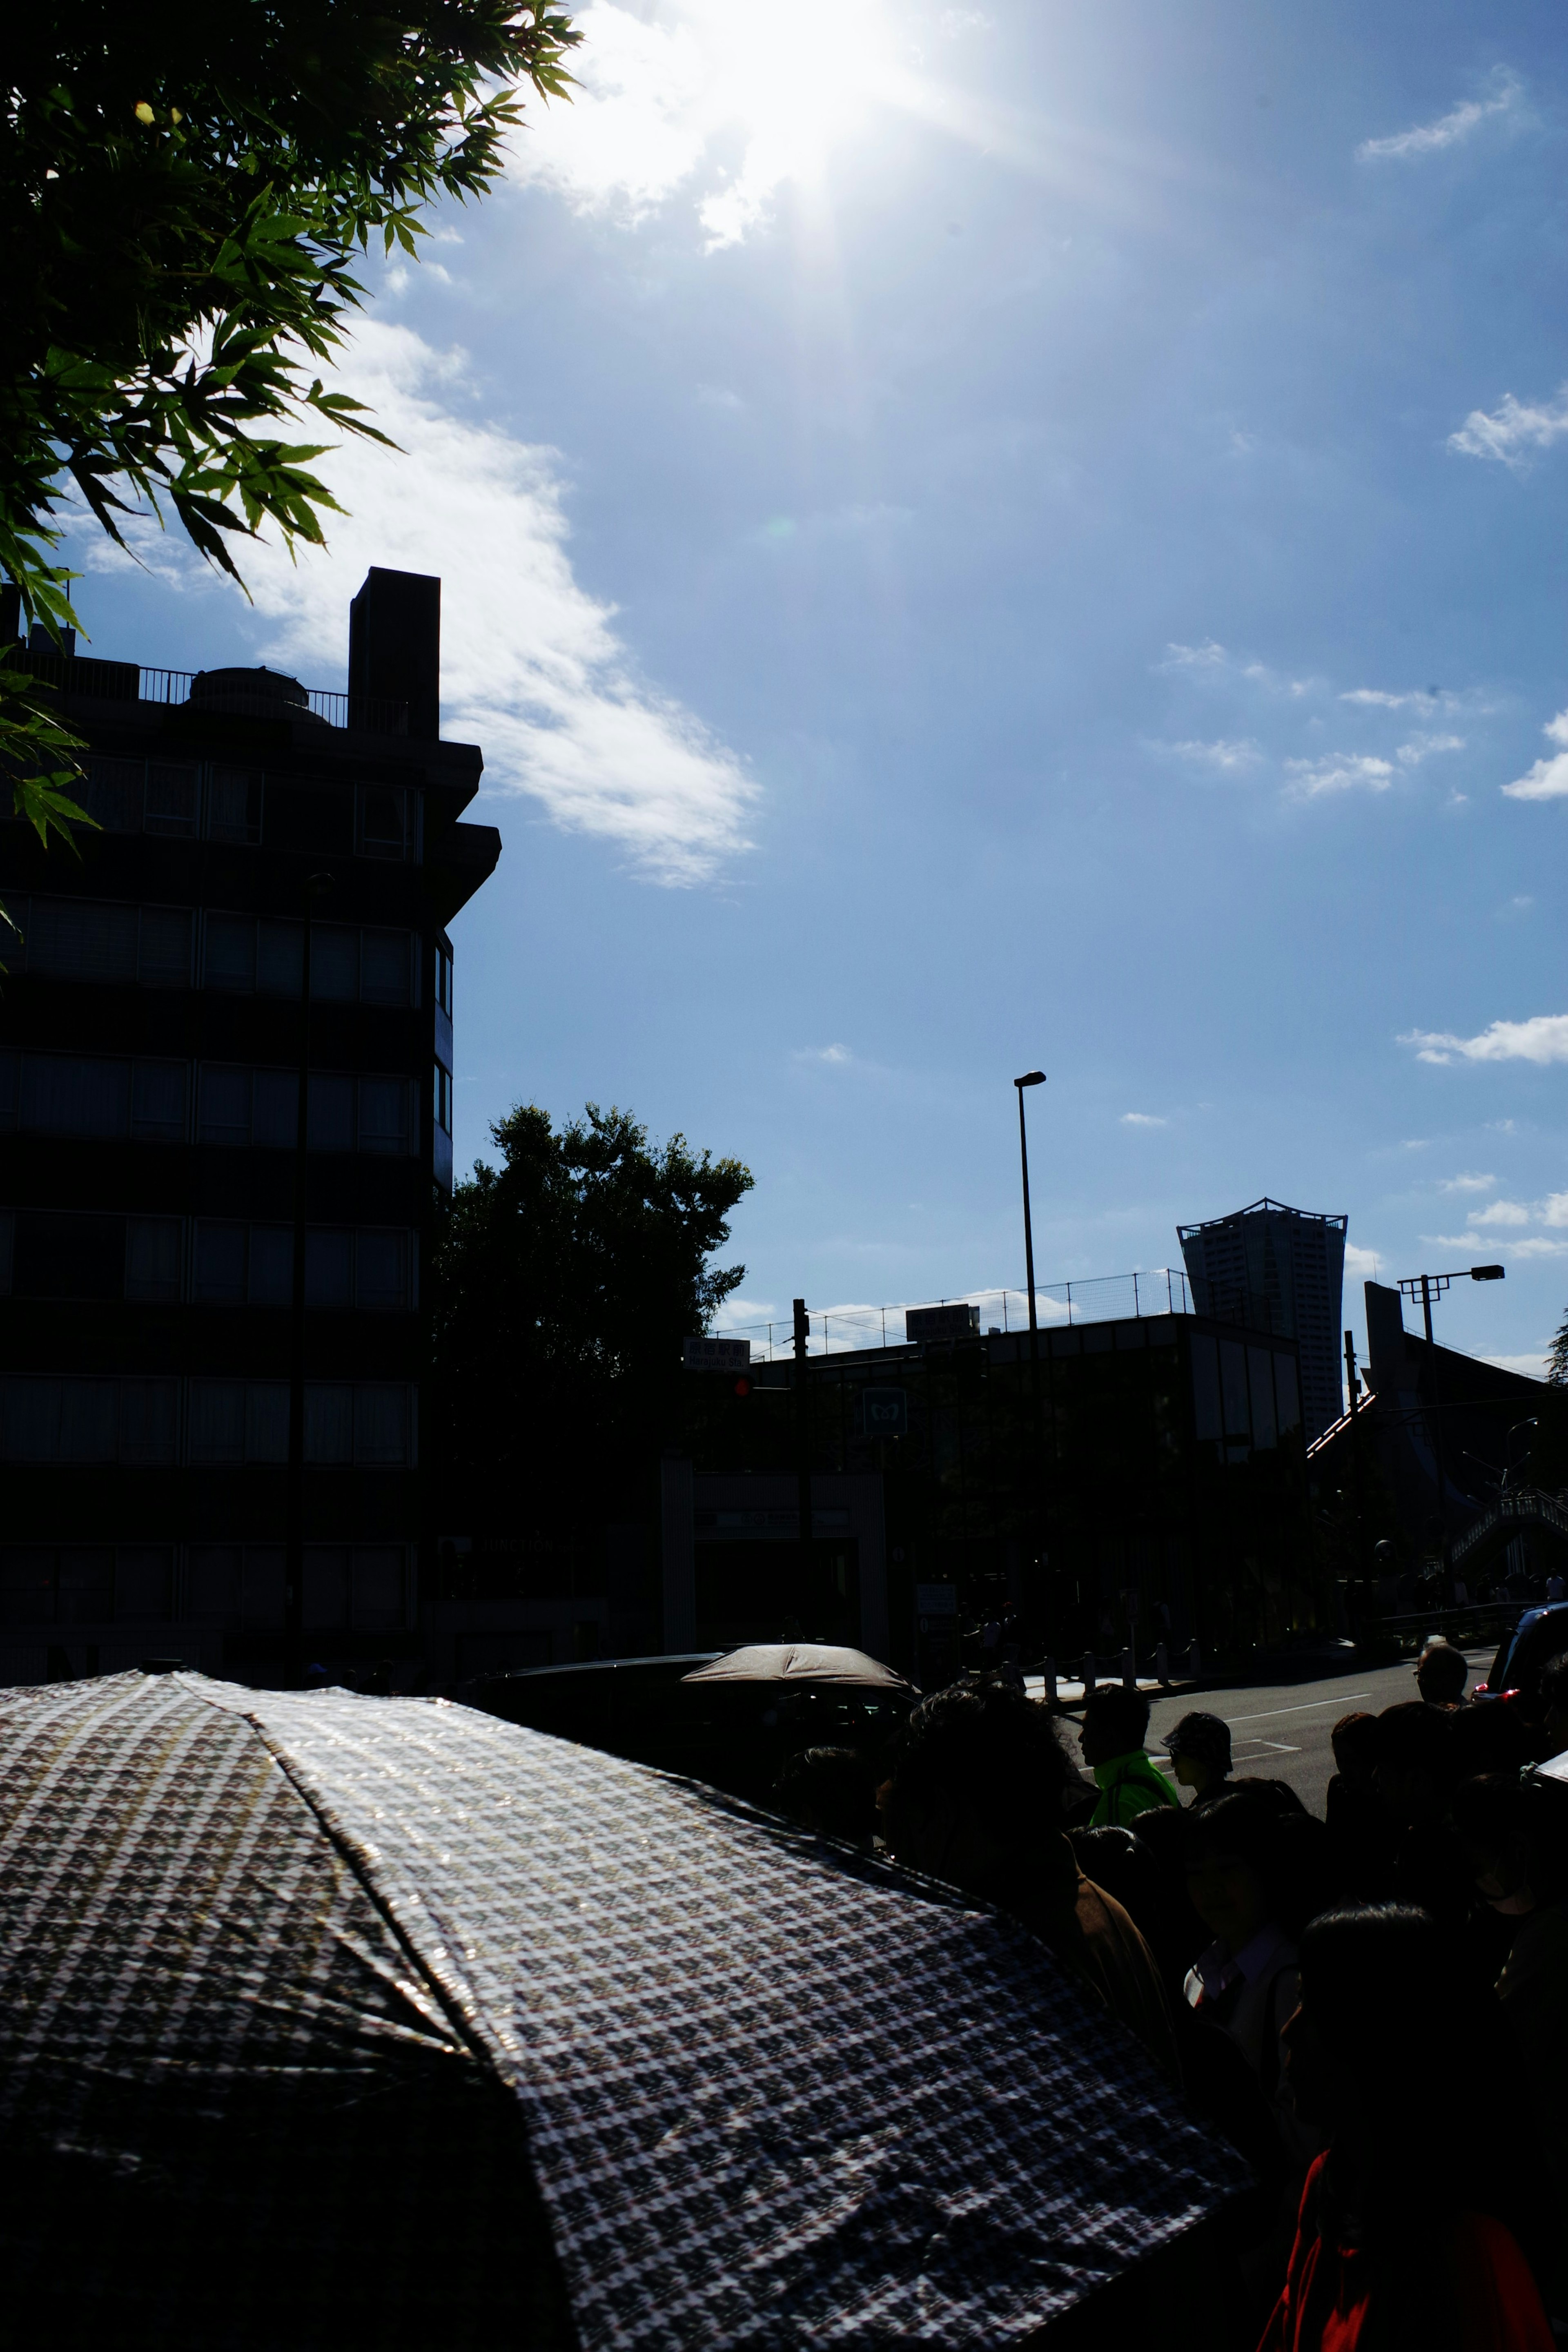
x=740, y=1386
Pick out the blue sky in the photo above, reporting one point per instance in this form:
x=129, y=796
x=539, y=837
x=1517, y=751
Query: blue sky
x=1036, y=536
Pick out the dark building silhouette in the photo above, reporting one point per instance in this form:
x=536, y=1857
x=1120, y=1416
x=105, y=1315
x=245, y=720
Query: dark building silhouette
x=149, y=1050
x=1282, y=1270
x=1143, y=1478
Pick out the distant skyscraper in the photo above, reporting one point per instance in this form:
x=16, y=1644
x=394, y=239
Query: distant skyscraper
x=1280, y=1270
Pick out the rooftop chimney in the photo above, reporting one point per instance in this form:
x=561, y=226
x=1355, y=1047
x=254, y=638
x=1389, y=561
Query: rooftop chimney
x=394, y=646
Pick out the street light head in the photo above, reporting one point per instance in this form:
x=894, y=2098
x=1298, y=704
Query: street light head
x=1031, y=1078
x=320, y=885
x=1488, y=1273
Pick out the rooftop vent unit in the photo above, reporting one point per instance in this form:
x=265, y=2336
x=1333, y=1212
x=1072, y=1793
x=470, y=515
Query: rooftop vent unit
x=960, y=1322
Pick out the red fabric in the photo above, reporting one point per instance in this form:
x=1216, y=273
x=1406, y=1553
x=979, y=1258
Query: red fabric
x=1323, y=2304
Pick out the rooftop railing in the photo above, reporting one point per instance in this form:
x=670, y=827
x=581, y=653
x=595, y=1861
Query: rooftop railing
x=114, y=681
x=1101, y=1298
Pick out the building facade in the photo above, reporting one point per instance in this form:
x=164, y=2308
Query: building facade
x=1138, y=1479
x=191, y=1419
x=1282, y=1270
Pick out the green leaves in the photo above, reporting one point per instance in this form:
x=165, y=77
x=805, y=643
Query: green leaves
x=170, y=281
x=563, y=1285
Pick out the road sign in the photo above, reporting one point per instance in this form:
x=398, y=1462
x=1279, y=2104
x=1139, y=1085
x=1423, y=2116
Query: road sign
x=716, y=1355
x=884, y=1412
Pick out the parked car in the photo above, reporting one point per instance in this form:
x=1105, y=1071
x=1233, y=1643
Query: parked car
x=734, y=1735
x=1539, y=1636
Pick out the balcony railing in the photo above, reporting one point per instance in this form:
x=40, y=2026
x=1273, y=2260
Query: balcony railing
x=114, y=681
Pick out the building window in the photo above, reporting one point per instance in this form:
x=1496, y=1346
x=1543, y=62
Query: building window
x=174, y=802
x=385, y=827
x=234, y=806
x=48, y=1254
x=241, y=1107
x=442, y=1099
x=111, y=793
x=85, y=1421
x=84, y=1584
x=243, y=954
x=444, y=979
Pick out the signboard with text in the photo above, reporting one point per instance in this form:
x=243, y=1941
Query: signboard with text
x=716, y=1355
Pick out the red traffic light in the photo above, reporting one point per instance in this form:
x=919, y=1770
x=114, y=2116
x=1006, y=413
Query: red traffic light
x=740, y=1385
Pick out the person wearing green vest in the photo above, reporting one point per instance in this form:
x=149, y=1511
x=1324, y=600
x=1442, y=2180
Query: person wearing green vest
x=1115, y=1725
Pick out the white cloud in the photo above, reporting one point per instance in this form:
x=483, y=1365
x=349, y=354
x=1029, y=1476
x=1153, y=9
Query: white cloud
x=1449, y=130
x=1501, y=1212
x=1512, y=430
x=1375, y=695
x=1360, y=1263
x=837, y=1057
x=737, y=1311
x=664, y=104
x=532, y=669
x=1536, y=1246
x=1422, y=747
x=1548, y=780
x=1142, y=1119
x=1532, y=1367
x=1555, y=1209
x=1227, y=756
x=1340, y=772
x=1205, y=656
x=1543, y=1038
x=1466, y=1183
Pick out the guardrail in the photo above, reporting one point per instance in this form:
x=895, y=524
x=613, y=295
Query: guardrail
x=1097, y=1298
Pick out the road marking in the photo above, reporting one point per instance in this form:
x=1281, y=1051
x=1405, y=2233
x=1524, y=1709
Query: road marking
x=1269, y=1713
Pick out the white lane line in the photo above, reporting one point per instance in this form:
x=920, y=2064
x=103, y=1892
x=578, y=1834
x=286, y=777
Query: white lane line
x=1269, y=1713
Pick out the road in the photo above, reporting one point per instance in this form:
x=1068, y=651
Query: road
x=1280, y=1731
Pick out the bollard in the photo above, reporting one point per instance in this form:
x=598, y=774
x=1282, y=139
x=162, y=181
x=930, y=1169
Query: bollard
x=1091, y=1665
x=1162, y=1665
x=1194, y=1661
x=1129, y=1670
x=1051, y=1683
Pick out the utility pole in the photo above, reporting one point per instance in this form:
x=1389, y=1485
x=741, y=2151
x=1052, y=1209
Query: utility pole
x=803, y=1463
x=1352, y=1387
x=317, y=886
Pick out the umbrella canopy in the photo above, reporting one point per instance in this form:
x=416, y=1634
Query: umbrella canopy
x=330, y=2019
x=803, y=1661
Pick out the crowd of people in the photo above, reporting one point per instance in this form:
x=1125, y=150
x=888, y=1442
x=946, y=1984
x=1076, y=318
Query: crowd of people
x=1372, y=2007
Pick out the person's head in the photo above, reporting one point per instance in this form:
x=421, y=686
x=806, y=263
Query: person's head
x=1354, y=1740
x=1231, y=1867
x=1555, y=1701
x=830, y=1792
x=978, y=1784
x=1379, y=1998
x=1413, y=1758
x=1441, y=1674
x=1115, y=1722
x=1515, y=1832
x=1200, y=1750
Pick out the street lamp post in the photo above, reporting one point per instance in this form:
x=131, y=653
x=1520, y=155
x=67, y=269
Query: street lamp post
x=1031, y=1079
x=1428, y=1287
x=317, y=886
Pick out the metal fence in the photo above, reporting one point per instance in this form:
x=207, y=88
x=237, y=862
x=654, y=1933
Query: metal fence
x=85, y=674
x=1101, y=1299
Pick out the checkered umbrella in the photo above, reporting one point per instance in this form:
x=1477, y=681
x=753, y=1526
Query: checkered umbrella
x=326, y=2018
